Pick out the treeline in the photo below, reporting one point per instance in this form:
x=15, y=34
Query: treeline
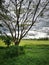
x=46, y=38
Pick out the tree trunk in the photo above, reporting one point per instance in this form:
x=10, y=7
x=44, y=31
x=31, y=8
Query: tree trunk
x=17, y=43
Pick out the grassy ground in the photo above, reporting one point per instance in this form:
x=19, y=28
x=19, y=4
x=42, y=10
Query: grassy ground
x=36, y=53
x=34, y=42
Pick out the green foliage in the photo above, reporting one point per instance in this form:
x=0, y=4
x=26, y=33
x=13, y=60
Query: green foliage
x=34, y=55
x=13, y=51
x=6, y=40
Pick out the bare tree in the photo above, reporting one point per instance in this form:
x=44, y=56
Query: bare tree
x=18, y=16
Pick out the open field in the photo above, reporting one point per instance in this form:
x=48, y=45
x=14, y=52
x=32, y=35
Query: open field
x=36, y=53
x=29, y=42
x=34, y=42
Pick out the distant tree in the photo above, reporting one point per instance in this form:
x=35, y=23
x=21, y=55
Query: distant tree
x=18, y=16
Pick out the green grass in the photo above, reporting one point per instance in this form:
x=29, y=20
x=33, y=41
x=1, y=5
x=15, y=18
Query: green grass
x=34, y=42
x=2, y=43
x=36, y=53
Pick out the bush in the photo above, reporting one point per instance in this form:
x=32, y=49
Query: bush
x=6, y=40
x=14, y=51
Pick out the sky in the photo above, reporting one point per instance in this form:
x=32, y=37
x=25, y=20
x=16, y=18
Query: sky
x=41, y=26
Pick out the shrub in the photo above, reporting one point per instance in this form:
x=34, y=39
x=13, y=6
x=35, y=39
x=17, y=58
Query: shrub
x=6, y=39
x=14, y=51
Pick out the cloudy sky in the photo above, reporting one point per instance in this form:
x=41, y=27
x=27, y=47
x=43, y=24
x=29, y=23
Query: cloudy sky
x=42, y=23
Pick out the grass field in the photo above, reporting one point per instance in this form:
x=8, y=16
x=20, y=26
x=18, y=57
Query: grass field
x=34, y=42
x=36, y=53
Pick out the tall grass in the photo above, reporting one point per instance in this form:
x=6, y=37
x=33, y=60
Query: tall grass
x=31, y=52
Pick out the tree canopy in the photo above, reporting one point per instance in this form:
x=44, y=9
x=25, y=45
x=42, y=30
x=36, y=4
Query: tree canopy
x=18, y=16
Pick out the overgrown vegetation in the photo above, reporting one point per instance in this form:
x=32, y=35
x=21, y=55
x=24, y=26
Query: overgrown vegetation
x=34, y=55
x=13, y=51
x=6, y=40
x=30, y=52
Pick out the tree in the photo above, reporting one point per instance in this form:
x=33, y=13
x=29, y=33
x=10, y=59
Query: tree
x=18, y=16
